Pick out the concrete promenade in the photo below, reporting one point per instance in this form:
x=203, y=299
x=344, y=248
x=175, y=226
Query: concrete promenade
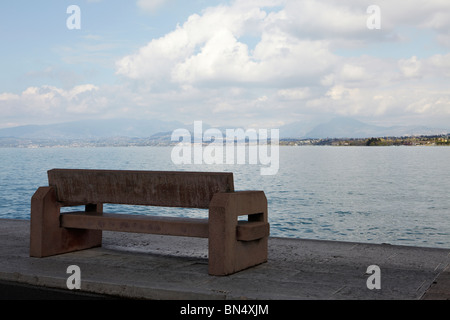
x=141, y=266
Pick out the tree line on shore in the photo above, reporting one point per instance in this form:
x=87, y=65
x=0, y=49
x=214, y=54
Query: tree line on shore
x=433, y=140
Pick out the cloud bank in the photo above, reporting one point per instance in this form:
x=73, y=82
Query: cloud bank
x=271, y=62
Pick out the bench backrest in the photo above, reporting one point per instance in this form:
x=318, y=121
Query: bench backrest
x=152, y=188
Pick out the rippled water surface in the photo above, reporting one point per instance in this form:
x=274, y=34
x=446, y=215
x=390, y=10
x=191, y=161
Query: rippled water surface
x=397, y=195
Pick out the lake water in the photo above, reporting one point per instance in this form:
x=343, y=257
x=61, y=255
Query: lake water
x=396, y=195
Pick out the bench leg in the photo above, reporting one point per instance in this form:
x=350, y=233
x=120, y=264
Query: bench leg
x=47, y=238
x=228, y=255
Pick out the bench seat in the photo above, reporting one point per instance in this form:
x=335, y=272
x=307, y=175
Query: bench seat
x=234, y=244
x=174, y=226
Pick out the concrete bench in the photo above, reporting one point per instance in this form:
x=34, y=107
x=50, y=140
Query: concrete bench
x=233, y=244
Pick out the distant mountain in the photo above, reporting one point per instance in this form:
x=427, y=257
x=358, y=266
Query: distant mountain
x=89, y=129
x=160, y=131
x=299, y=129
x=344, y=127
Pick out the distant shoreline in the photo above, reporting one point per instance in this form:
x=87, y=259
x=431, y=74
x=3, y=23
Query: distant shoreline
x=428, y=140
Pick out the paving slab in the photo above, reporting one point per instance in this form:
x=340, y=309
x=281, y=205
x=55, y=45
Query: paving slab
x=141, y=266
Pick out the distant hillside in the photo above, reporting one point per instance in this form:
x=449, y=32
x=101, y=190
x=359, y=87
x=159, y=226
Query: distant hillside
x=160, y=131
x=344, y=127
x=90, y=129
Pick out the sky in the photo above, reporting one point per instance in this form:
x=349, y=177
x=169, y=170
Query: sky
x=252, y=63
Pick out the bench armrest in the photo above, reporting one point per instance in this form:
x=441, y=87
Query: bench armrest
x=232, y=245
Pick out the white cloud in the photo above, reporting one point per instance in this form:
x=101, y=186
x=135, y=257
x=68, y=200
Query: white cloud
x=440, y=64
x=207, y=49
x=222, y=58
x=434, y=67
x=325, y=19
x=295, y=94
x=410, y=67
x=353, y=72
x=8, y=96
x=150, y=5
x=48, y=102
